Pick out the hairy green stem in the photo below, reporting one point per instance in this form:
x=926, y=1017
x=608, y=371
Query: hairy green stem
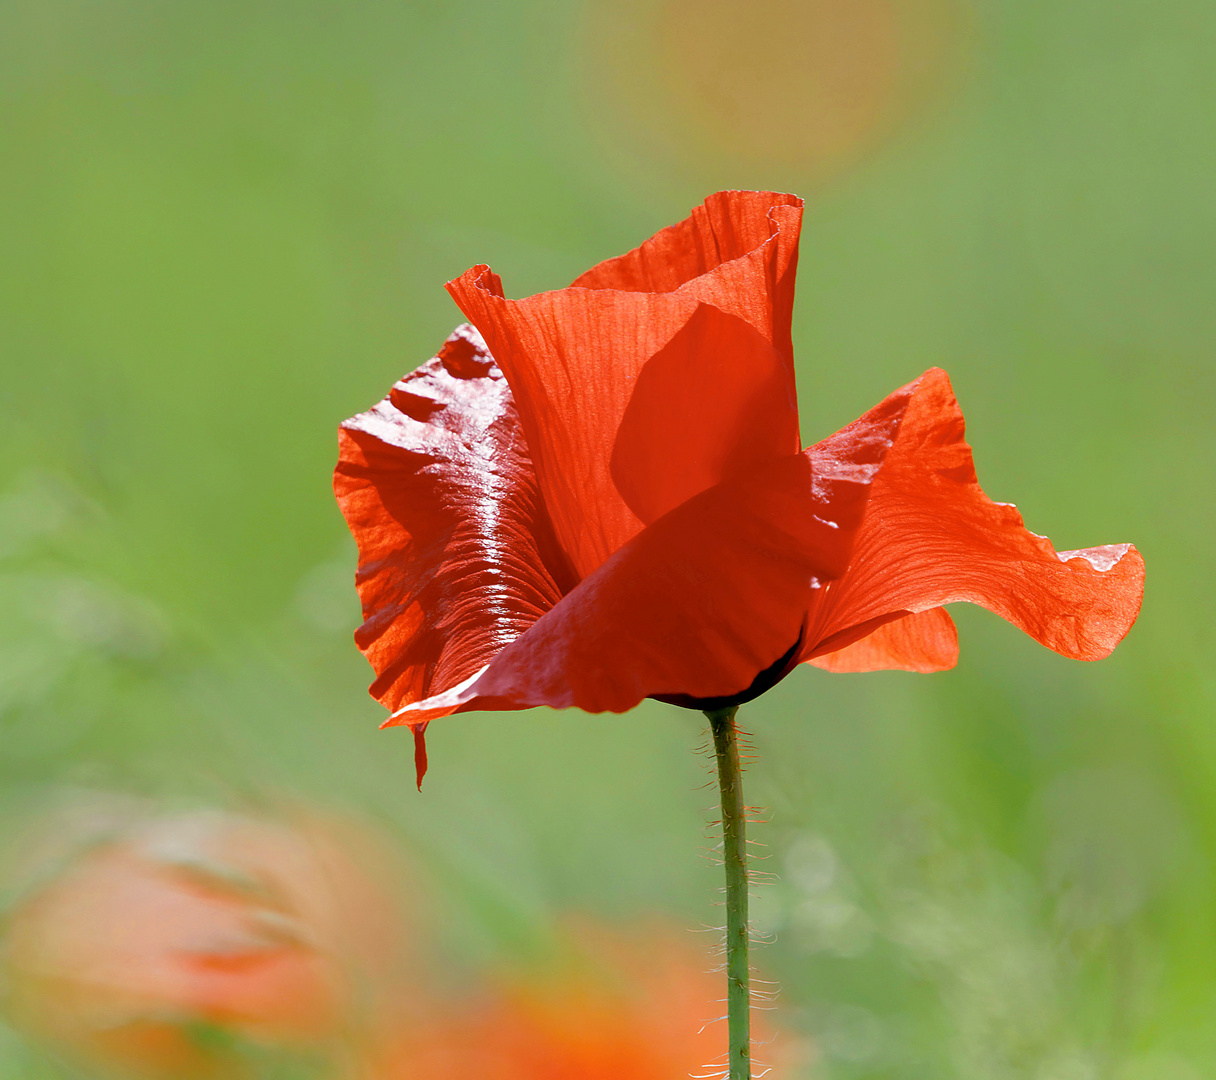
x=734, y=858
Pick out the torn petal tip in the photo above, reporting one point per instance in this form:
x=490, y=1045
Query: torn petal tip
x=420, y=753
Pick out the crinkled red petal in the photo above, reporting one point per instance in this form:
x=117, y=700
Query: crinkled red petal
x=930, y=536
x=574, y=357
x=703, y=600
x=728, y=226
x=456, y=553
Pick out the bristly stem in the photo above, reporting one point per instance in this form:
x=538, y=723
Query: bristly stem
x=734, y=857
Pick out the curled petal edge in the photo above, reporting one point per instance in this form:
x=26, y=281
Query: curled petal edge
x=932, y=537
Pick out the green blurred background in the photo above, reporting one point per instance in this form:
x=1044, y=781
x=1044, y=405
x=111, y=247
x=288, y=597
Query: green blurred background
x=226, y=226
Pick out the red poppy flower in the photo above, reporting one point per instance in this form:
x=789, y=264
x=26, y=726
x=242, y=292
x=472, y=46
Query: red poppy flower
x=600, y=495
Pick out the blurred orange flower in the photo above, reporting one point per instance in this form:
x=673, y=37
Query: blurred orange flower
x=642, y=1007
x=195, y=945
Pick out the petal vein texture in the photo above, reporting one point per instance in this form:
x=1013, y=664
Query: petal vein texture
x=456, y=552
x=931, y=537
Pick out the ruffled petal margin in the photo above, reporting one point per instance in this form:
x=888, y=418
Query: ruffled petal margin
x=456, y=553
x=727, y=226
x=931, y=536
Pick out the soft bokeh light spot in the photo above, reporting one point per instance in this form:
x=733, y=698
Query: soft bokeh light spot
x=798, y=86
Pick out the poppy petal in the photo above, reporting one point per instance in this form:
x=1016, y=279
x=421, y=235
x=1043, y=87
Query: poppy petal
x=710, y=404
x=702, y=601
x=729, y=225
x=923, y=641
x=932, y=537
x=456, y=553
x=573, y=358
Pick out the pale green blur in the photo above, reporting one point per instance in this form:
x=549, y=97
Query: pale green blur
x=225, y=227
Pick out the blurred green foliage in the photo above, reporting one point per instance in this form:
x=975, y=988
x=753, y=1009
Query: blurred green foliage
x=225, y=228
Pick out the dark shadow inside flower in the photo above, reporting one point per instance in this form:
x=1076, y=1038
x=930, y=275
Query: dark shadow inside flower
x=762, y=683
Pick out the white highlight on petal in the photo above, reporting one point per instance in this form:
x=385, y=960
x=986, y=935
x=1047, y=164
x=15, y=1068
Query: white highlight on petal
x=1100, y=558
x=456, y=695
